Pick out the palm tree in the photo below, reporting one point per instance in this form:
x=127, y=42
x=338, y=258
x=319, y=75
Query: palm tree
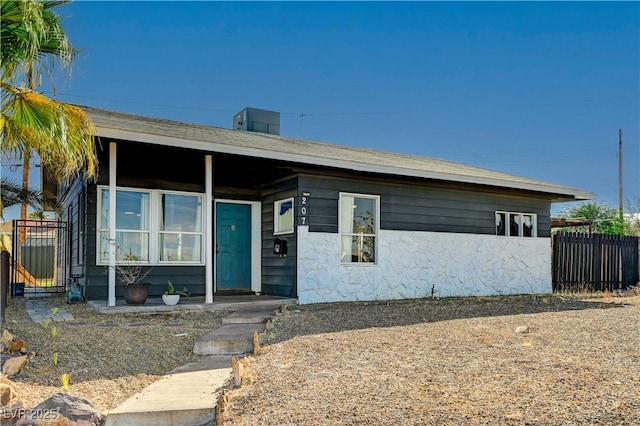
x=12, y=194
x=33, y=40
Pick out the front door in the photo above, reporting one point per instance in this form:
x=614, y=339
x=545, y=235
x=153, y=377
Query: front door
x=233, y=247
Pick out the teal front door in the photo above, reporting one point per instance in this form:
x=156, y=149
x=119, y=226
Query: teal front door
x=233, y=247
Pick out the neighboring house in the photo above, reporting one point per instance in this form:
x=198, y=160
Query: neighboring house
x=247, y=211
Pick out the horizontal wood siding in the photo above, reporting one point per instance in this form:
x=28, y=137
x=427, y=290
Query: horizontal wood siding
x=433, y=207
x=278, y=273
x=71, y=241
x=191, y=277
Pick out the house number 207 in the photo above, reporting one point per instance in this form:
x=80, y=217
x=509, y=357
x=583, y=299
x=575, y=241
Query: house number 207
x=303, y=209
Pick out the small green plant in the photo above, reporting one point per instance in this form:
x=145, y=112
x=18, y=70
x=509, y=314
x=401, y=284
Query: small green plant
x=171, y=290
x=54, y=332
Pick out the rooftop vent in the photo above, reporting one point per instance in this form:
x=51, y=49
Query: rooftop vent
x=257, y=120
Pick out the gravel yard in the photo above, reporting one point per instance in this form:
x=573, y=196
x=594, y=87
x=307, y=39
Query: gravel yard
x=109, y=357
x=447, y=361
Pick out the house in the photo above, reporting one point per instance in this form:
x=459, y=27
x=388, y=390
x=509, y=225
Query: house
x=244, y=210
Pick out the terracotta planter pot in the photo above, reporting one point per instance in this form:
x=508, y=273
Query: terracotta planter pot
x=170, y=299
x=136, y=294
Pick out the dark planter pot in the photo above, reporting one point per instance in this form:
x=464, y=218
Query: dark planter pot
x=136, y=294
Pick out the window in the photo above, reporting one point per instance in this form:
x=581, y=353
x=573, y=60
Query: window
x=358, y=227
x=180, y=228
x=174, y=236
x=283, y=217
x=512, y=224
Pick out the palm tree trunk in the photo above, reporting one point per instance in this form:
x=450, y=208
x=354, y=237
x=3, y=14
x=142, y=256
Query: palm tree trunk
x=26, y=165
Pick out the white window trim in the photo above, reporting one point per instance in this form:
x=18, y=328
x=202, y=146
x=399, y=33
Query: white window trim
x=534, y=230
x=376, y=198
x=154, y=228
x=276, y=216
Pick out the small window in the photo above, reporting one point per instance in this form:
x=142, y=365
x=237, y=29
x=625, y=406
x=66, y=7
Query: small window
x=358, y=228
x=512, y=224
x=283, y=217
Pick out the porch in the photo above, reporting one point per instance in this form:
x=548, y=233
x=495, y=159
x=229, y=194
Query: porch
x=195, y=303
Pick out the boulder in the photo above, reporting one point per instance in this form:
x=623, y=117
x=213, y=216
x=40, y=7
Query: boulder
x=62, y=409
x=7, y=390
x=14, y=365
x=7, y=337
x=18, y=346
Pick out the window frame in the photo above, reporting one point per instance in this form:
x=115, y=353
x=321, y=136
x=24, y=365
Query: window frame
x=154, y=232
x=507, y=222
x=376, y=235
x=277, y=217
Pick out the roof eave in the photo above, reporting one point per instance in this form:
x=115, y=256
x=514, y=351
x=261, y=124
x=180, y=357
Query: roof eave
x=559, y=193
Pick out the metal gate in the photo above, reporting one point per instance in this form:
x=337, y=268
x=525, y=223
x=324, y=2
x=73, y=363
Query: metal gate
x=39, y=257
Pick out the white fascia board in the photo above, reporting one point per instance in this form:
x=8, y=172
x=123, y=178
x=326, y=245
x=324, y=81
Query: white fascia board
x=224, y=148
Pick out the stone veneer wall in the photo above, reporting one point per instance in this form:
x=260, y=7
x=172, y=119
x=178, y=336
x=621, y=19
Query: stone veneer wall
x=410, y=263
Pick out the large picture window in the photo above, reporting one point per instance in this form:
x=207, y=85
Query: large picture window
x=359, y=223
x=283, y=217
x=175, y=236
x=511, y=224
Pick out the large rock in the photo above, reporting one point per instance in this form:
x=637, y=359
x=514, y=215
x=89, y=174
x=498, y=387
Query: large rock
x=18, y=346
x=7, y=337
x=13, y=365
x=62, y=409
x=7, y=390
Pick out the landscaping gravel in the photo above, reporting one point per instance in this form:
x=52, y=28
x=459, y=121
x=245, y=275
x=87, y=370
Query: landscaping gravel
x=573, y=361
x=109, y=357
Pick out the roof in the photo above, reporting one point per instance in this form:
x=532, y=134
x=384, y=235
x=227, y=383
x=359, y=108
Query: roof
x=125, y=126
x=562, y=222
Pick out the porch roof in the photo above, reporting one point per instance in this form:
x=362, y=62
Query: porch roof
x=125, y=126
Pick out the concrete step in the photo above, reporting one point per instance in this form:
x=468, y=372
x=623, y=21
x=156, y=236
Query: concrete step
x=228, y=339
x=185, y=397
x=249, y=316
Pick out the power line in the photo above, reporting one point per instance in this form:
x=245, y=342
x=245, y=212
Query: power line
x=332, y=113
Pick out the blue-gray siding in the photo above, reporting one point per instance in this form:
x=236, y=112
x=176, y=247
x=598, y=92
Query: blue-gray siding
x=278, y=273
x=433, y=206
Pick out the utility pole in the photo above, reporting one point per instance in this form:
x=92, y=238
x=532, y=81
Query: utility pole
x=620, y=203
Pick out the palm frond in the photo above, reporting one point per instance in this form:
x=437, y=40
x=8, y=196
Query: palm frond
x=12, y=194
x=61, y=134
x=31, y=33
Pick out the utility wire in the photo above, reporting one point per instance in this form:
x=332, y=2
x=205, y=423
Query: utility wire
x=331, y=113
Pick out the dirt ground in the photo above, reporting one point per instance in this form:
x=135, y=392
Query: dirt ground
x=447, y=362
x=454, y=361
x=109, y=357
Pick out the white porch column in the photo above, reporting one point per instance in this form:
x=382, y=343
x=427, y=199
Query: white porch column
x=111, y=301
x=208, y=228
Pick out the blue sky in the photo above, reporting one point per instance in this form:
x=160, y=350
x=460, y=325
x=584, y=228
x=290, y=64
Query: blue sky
x=536, y=89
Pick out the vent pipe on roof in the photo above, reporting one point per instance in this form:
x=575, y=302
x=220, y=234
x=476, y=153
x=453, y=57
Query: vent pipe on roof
x=257, y=120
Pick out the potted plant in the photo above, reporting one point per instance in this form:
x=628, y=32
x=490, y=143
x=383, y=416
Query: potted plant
x=130, y=276
x=172, y=296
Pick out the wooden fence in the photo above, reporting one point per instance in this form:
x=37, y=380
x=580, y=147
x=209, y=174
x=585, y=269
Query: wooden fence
x=594, y=262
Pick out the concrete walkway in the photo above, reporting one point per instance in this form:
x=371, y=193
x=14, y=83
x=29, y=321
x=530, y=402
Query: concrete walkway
x=40, y=312
x=187, y=396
